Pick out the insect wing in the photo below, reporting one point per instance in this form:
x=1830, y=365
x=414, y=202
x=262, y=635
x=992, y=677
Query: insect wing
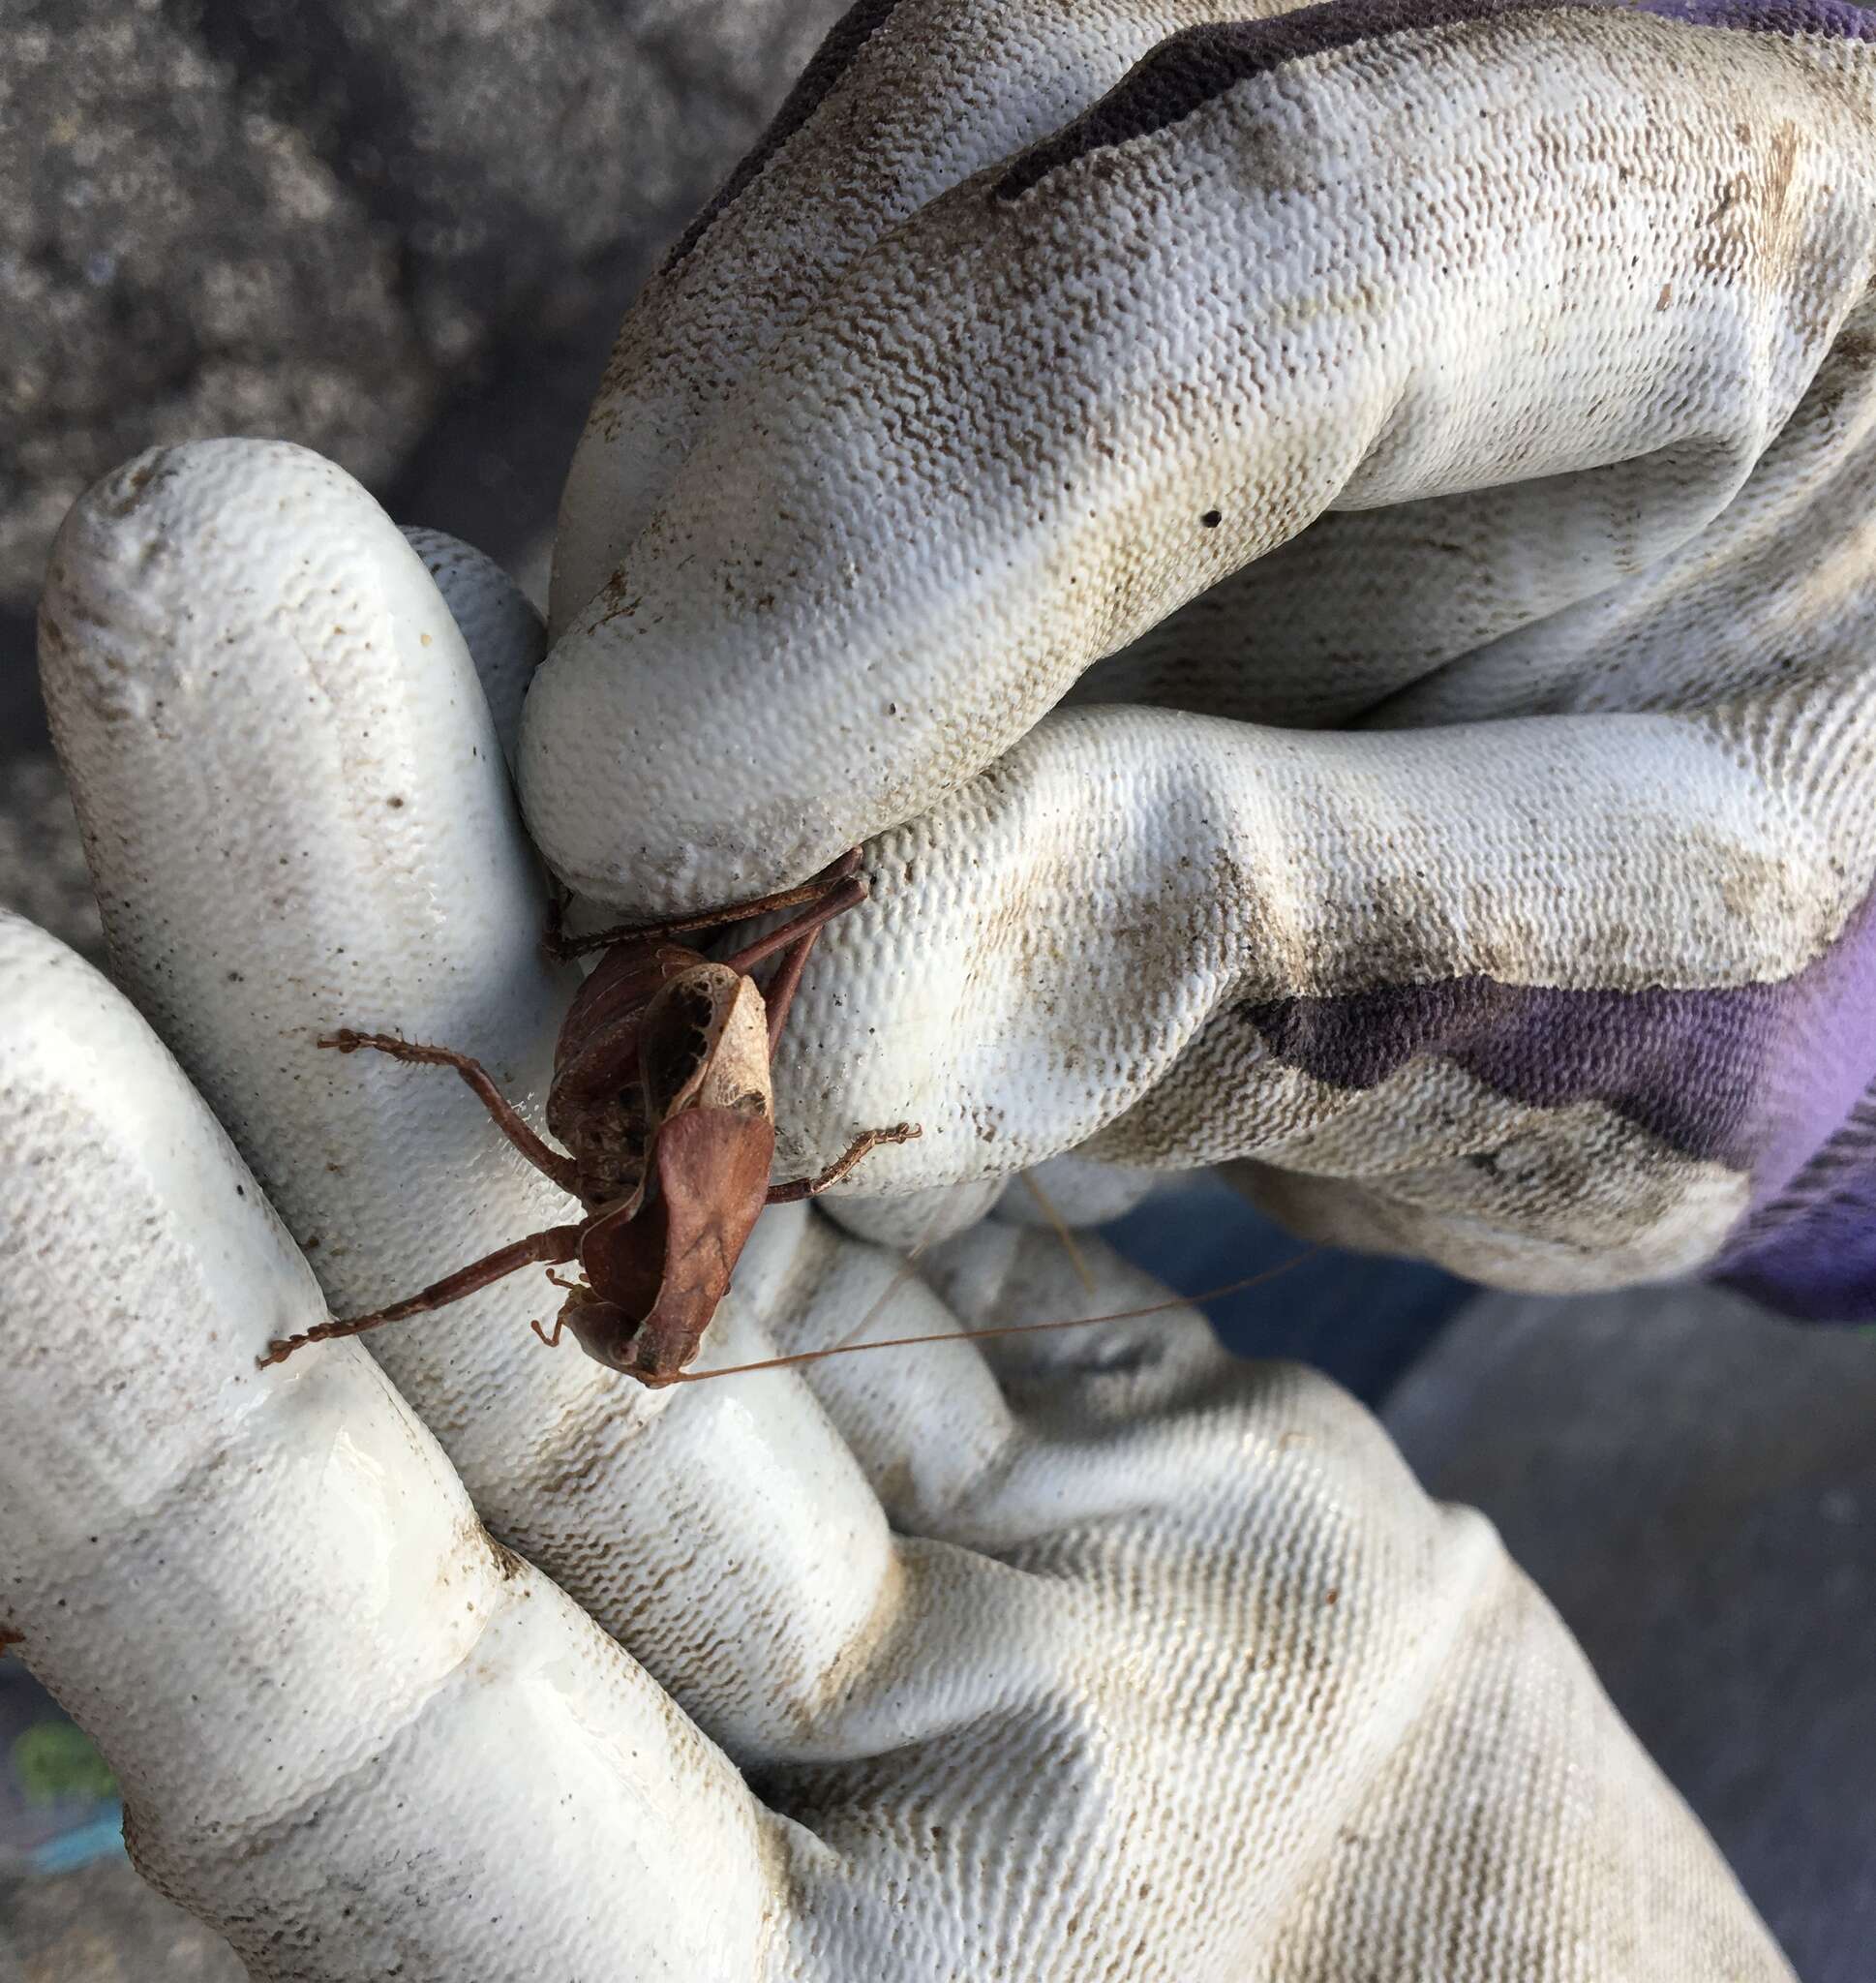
x=669, y=1267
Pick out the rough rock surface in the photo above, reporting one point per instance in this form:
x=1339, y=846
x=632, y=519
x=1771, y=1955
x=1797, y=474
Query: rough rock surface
x=41, y=865
x=175, y=260
x=401, y=232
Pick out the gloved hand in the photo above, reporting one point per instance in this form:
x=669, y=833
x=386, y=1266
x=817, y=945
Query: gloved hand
x=1427, y=446
x=1099, y=1655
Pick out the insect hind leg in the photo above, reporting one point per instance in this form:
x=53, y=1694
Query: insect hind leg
x=553, y=1245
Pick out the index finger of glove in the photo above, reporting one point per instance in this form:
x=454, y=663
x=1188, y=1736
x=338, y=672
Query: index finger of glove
x=334, y=1706
x=1334, y=259
x=298, y=819
x=904, y=99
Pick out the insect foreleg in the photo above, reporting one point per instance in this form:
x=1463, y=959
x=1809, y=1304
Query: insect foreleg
x=507, y=1118
x=814, y=890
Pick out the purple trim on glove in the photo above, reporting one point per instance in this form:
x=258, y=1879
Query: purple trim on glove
x=1832, y=17
x=1762, y=1077
x=1812, y=1251
x=1194, y=67
x=831, y=61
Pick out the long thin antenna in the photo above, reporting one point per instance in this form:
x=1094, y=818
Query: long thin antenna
x=903, y=1274
x=1006, y=1328
x=1062, y=1232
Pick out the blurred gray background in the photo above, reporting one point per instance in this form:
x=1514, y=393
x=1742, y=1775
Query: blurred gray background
x=403, y=233
x=400, y=232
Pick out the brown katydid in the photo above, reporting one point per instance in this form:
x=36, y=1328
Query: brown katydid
x=661, y=1094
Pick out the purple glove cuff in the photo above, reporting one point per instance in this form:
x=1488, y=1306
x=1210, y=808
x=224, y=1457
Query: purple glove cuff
x=1771, y=1079
x=1811, y=1252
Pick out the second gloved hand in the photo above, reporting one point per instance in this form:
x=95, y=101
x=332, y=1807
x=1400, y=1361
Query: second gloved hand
x=1427, y=447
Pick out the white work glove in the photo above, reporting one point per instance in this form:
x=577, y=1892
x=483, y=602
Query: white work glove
x=1101, y=1656
x=1489, y=863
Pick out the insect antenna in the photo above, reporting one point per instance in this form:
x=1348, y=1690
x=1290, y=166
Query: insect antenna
x=1004, y=1328
x=1062, y=1233
x=904, y=1271
x=560, y=945
x=900, y=1275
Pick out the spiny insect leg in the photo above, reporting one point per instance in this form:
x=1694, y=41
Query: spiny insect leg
x=552, y=1246
x=810, y=1187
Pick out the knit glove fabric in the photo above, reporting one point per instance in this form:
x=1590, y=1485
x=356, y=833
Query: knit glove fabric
x=1101, y=1655
x=1327, y=556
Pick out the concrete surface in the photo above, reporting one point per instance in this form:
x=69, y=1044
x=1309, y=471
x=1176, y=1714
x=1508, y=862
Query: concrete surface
x=1692, y=1483
x=401, y=232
